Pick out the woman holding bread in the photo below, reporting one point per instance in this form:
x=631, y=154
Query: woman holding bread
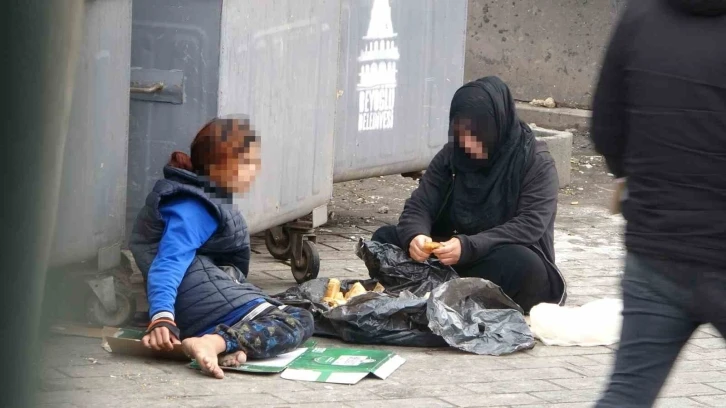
x=486, y=205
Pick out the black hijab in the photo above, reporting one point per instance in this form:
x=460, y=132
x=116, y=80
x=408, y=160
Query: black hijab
x=486, y=191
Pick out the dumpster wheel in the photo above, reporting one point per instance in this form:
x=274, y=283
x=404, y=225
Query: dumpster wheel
x=278, y=243
x=308, y=266
x=125, y=309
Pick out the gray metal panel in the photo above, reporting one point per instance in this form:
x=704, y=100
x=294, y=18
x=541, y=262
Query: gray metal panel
x=396, y=121
x=170, y=35
x=279, y=65
x=91, y=208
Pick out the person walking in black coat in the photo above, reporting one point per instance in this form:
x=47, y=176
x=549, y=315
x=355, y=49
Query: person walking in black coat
x=490, y=197
x=659, y=118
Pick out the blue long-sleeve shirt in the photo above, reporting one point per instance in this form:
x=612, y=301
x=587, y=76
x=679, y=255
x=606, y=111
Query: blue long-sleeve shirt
x=189, y=224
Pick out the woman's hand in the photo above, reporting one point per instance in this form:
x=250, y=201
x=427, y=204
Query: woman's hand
x=160, y=339
x=416, y=249
x=450, y=252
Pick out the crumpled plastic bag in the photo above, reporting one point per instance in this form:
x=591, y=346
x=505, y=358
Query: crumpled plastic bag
x=396, y=271
x=471, y=314
x=372, y=318
x=379, y=318
x=597, y=323
x=475, y=315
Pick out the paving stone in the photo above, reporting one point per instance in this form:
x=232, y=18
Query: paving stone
x=606, y=359
x=51, y=374
x=593, y=371
x=710, y=330
x=710, y=343
x=92, y=383
x=718, y=385
x=532, y=374
x=315, y=405
x=57, y=405
x=543, y=351
x=585, y=383
x=677, y=403
x=712, y=400
x=397, y=392
x=401, y=403
x=719, y=364
x=680, y=377
x=96, y=398
x=335, y=393
x=586, y=395
x=235, y=384
x=546, y=362
x=222, y=399
x=688, y=390
x=133, y=370
x=511, y=387
x=561, y=405
x=492, y=400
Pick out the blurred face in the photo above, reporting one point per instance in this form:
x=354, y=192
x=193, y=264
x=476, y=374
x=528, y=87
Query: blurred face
x=236, y=172
x=468, y=141
x=247, y=166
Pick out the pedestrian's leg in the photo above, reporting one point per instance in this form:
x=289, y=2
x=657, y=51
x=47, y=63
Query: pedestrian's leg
x=269, y=335
x=518, y=270
x=712, y=298
x=387, y=235
x=655, y=329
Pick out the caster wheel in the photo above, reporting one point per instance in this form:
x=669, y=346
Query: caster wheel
x=126, y=309
x=279, y=249
x=310, y=263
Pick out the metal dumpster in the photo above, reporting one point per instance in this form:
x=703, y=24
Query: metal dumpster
x=401, y=62
x=274, y=61
x=92, y=200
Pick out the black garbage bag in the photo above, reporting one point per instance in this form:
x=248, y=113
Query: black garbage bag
x=396, y=271
x=372, y=318
x=471, y=314
x=380, y=318
x=475, y=315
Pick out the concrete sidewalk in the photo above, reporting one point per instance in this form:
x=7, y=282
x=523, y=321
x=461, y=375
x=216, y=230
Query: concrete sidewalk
x=79, y=373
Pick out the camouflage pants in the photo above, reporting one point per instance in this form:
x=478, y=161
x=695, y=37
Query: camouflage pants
x=271, y=334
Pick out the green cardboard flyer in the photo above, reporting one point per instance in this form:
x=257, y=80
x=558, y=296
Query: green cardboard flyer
x=320, y=364
x=342, y=365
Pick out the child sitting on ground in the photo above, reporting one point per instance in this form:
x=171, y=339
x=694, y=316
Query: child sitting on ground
x=193, y=249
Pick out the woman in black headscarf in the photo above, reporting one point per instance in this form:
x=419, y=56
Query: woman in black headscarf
x=490, y=197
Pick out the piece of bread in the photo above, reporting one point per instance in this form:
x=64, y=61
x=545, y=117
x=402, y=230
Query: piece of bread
x=430, y=246
x=332, y=289
x=338, y=300
x=379, y=288
x=355, y=290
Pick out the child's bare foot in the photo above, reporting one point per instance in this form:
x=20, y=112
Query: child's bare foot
x=235, y=359
x=205, y=350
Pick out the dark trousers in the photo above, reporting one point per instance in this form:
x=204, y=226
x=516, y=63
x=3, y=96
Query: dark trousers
x=518, y=270
x=271, y=334
x=664, y=302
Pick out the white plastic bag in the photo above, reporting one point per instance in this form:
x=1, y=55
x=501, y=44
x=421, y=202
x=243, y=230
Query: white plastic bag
x=596, y=323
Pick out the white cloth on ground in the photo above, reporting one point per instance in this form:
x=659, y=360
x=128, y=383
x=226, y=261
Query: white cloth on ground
x=597, y=323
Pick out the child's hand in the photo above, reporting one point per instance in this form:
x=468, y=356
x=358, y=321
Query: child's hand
x=160, y=339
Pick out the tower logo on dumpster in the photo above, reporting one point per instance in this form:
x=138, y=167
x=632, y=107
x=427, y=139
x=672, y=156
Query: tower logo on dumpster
x=377, y=82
